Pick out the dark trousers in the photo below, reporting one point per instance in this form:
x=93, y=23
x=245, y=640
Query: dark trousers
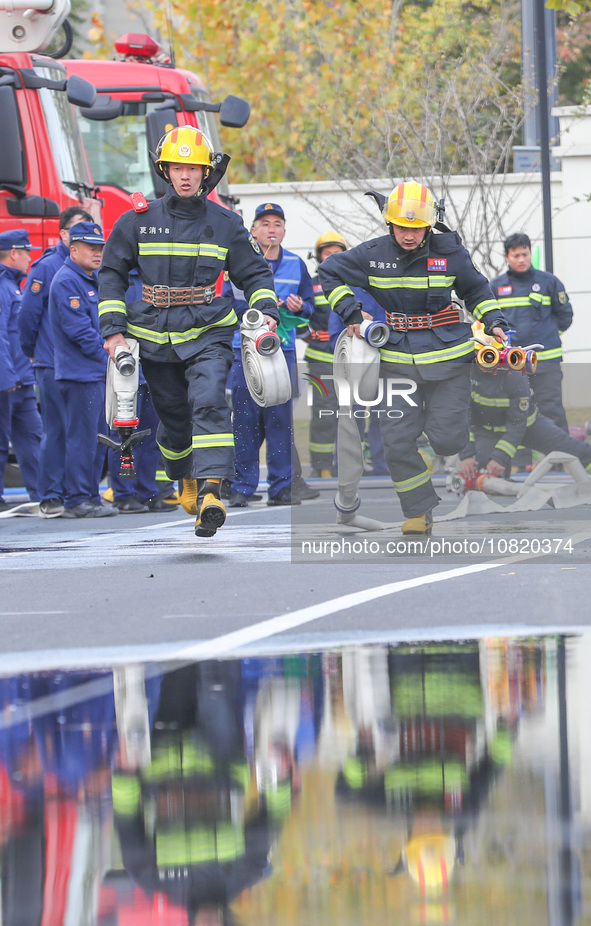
x=195, y=431
x=146, y=455
x=442, y=412
x=52, y=454
x=85, y=419
x=20, y=425
x=542, y=435
x=323, y=427
x=546, y=384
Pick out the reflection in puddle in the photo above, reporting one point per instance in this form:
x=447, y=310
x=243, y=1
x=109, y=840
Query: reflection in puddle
x=424, y=784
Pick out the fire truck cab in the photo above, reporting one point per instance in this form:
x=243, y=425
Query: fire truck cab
x=43, y=168
x=139, y=99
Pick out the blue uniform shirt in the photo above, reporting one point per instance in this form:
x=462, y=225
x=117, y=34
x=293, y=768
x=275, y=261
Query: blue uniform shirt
x=73, y=312
x=14, y=366
x=34, y=325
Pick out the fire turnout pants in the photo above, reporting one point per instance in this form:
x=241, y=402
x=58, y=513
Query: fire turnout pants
x=442, y=412
x=543, y=435
x=323, y=421
x=546, y=384
x=195, y=432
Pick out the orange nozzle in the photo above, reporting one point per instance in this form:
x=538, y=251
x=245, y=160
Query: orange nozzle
x=514, y=357
x=487, y=357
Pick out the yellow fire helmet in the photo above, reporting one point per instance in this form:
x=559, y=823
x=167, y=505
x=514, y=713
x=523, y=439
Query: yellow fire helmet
x=430, y=860
x=412, y=205
x=326, y=240
x=184, y=145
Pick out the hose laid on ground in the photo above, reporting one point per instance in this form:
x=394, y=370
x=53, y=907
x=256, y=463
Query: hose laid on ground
x=265, y=367
x=356, y=372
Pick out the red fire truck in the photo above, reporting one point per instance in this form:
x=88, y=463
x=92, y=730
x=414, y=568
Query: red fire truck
x=43, y=168
x=67, y=143
x=139, y=98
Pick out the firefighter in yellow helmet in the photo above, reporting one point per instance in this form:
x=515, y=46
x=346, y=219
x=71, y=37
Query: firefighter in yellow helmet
x=180, y=244
x=413, y=272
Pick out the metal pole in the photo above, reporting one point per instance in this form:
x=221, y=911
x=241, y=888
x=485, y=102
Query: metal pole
x=542, y=84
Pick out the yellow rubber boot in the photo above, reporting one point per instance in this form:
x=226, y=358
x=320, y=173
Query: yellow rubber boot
x=212, y=511
x=189, y=495
x=422, y=524
x=325, y=474
x=108, y=495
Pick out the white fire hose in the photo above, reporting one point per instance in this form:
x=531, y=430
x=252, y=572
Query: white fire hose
x=265, y=367
x=356, y=366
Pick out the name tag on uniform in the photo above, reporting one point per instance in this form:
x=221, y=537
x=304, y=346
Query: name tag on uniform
x=437, y=263
x=505, y=290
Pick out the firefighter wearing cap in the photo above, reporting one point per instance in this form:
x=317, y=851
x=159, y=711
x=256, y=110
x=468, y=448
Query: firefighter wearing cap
x=411, y=272
x=180, y=245
x=20, y=422
x=80, y=368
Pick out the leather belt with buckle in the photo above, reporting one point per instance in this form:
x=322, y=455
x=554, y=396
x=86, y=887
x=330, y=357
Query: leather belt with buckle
x=319, y=335
x=447, y=316
x=165, y=296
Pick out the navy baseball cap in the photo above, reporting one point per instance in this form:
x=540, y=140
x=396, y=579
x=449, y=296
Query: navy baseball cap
x=268, y=209
x=16, y=238
x=89, y=232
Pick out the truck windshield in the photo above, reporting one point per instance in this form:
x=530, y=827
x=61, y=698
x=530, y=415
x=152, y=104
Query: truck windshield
x=118, y=149
x=64, y=132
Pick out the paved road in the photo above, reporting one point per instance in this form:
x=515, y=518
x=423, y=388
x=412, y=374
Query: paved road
x=78, y=592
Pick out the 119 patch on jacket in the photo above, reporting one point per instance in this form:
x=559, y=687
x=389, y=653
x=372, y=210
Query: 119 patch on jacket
x=437, y=263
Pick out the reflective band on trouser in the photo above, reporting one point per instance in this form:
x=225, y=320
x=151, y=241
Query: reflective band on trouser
x=432, y=356
x=262, y=294
x=338, y=293
x=554, y=353
x=321, y=448
x=482, y=309
x=324, y=357
x=201, y=441
x=174, y=454
x=111, y=305
x=126, y=794
x=407, y=485
x=506, y=447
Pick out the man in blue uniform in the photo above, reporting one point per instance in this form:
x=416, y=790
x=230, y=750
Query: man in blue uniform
x=253, y=424
x=80, y=368
x=536, y=305
x=37, y=343
x=503, y=417
x=180, y=244
x=411, y=272
x=20, y=422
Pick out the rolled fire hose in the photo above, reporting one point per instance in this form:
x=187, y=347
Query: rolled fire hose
x=122, y=387
x=265, y=367
x=357, y=372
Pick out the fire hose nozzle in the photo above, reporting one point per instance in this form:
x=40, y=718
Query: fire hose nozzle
x=488, y=357
x=268, y=343
x=513, y=357
x=375, y=333
x=124, y=361
x=252, y=318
